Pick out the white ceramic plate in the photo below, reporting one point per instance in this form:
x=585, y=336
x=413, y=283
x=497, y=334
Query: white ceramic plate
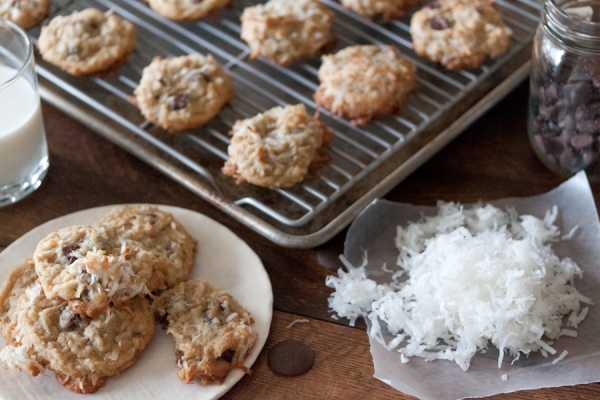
x=222, y=259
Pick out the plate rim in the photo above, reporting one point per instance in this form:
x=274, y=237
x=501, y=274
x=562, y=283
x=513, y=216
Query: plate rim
x=266, y=303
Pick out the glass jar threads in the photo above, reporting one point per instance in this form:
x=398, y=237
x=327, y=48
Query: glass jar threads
x=564, y=99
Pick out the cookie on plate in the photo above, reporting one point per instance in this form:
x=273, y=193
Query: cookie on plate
x=360, y=82
x=183, y=92
x=389, y=9
x=285, y=31
x=81, y=351
x=459, y=33
x=25, y=13
x=22, y=278
x=91, y=266
x=87, y=42
x=277, y=149
x=161, y=234
x=186, y=9
x=211, y=330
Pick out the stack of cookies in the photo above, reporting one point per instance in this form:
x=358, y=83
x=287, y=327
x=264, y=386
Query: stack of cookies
x=85, y=305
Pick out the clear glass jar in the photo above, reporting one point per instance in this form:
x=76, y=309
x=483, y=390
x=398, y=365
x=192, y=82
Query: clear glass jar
x=564, y=99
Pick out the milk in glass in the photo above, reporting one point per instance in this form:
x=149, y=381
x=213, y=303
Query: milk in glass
x=22, y=137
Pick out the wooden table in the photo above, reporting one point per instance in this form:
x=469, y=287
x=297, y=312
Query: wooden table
x=491, y=159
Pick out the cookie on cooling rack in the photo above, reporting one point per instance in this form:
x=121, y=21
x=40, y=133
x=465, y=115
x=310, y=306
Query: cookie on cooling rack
x=25, y=13
x=285, y=31
x=22, y=278
x=360, y=82
x=211, y=330
x=158, y=232
x=87, y=42
x=459, y=33
x=81, y=351
x=388, y=9
x=186, y=9
x=91, y=266
x=278, y=148
x=183, y=92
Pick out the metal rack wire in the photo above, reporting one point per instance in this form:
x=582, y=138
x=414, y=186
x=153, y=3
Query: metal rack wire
x=356, y=152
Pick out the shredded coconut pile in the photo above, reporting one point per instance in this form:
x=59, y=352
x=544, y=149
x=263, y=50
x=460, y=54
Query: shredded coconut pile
x=474, y=276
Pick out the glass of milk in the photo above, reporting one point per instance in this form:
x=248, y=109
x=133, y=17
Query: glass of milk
x=23, y=149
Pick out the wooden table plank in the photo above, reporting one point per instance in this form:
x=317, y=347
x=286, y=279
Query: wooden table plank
x=492, y=159
x=343, y=369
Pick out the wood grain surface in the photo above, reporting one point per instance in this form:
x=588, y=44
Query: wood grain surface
x=491, y=159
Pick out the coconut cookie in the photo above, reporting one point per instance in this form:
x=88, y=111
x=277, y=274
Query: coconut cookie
x=91, y=267
x=21, y=279
x=459, y=33
x=25, y=13
x=184, y=92
x=87, y=42
x=389, y=9
x=211, y=330
x=186, y=9
x=360, y=82
x=276, y=149
x=161, y=234
x=82, y=351
x=285, y=31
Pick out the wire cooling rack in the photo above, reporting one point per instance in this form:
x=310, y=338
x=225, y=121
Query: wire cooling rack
x=366, y=162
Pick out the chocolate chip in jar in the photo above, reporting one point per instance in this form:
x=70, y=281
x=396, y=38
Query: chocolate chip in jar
x=564, y=102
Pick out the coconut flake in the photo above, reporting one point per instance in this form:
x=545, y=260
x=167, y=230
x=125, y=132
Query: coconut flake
x=18, y=357
x=231, y=317
x=561, y=357
x=296, y=321
x=476, y=277
x=354, y=293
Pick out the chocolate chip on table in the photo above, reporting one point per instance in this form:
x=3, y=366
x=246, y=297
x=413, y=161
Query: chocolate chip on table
x=439, y=23
x=290, y=358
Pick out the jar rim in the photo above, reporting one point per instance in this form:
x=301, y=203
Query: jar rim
x=570, y=25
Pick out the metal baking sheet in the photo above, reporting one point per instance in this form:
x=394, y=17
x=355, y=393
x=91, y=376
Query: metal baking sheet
x=366, y=162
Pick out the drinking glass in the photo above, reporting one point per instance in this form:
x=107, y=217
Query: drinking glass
x=23, y=148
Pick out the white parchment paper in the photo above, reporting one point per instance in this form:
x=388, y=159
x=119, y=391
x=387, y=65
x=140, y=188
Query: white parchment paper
x=374, y=231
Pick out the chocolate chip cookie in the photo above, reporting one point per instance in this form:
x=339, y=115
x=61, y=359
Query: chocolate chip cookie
x=87, y=42
x=360, y=82
x=186, y=9
x=21, y=279
x=91, y=266
x=277, y=149
x=25, y=13
x=389, y=9
x=285, y=31
x=183, y=92
x=158, y=232
x=459, y=33
x=211, y=330
x=81, y=351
